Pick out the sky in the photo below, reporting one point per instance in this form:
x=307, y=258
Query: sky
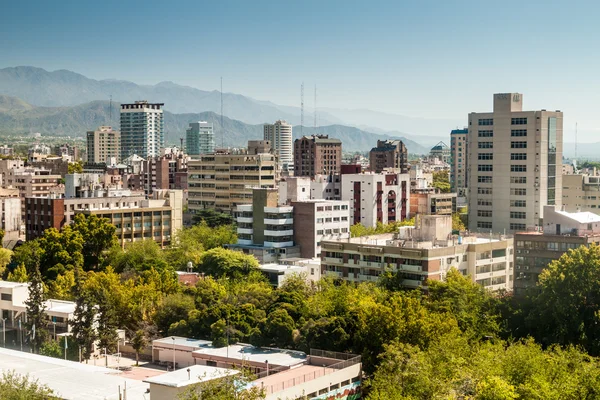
x=430, y=59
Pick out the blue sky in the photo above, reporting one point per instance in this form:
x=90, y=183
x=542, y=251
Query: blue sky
x=418, y=58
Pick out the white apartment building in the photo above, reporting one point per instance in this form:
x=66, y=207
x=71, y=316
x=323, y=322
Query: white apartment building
x=142, y=129
x=299, y=188
x=420, y=254
x=514, y=165
x=377, y=197
x=280, y=136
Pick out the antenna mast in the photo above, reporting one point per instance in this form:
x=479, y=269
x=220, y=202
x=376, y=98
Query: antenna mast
x=301, y=108
x=222, y=129
x=110, y=110
x=576, y=140
x=315, y=132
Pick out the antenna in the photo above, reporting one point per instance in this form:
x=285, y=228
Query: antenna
x=315, y=108
x=222, y=129
x=301, y=107
x=576, y=140
x=181, y=140
x=110, y=110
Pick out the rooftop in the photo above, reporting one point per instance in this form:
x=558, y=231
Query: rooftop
x=196, y=374
x=280, y=268
x=459, y=131
x=72, y=380
x=582, y=217
x=246, y=352
x=182, y=341
x=7, y=284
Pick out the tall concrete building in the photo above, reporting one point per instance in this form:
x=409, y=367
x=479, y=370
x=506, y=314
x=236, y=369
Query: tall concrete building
x=280, y=136
x=142, y=129
x=389, y=154
x=102, y=144
x=200, y=138
x=317, y=155
x=514, y=165
x=458, y=161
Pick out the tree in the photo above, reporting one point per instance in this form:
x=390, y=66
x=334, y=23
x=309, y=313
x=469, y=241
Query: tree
x=18, y=275
x=37, y=320
x=190, y=243
x=137, y=257
x=441, y=181
x=174, y=308
x=213, y=218
x=565, y=307
x=5, y=257
x=22, y=387
x=98, y=236
x=279, y=329
x=219, y=262
x=83, y=317
x=457, y=223
x=139, y=343
x=75, y=167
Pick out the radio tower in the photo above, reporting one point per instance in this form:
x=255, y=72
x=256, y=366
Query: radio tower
x=110, y=110
x=315, y=131
x=222, y=129
x=576, y=140
x=301, y=108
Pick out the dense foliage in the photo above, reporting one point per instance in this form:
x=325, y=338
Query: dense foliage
x=359, y=229
x=441, y=181
x=22, y=387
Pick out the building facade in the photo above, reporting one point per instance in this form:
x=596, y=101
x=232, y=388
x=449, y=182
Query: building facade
x=225, y=180
x=200, y=138
x=280, y=136
x=389, y=154
x=142, y=129
x=514, y=163
x=317, y=155
x=441, y=151
x=430, y=202
x=103, y=144
x=459, y=161
x=373, y=198
x=581, y=193
x=561, y=232
x=420, y=254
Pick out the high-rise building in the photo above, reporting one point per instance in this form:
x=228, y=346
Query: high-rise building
x=200, y=138
x=317, y=155
x=142, y=129
x=280, y=136
x=389, y=154
x=102, y=144
x=514, y=165
x=458, y=161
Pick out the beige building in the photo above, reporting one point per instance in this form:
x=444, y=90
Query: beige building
x=280, y=136
x=581, y=193
x=102, y=144
x=514, y=165
x=458, y=161
x=420, y=254
x=224, y=180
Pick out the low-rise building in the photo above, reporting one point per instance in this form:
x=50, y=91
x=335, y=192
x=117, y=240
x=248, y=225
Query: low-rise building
x=431, y=202
x=561, y=232
x=581, y=192
x=283, y=374
x=420, y=254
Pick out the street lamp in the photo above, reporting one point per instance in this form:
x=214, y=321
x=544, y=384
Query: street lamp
x=173, y=337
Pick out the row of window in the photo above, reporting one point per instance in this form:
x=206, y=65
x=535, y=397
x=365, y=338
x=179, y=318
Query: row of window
x=485, y=168
x=518, y=156
x=486, y=121
x=484, y=179
x=518, y=215
x=488, y=225
x=518, y=179
x=518, y=145
x=485, y=156
x=518, y=168
x=485, y=145
x=518, y=121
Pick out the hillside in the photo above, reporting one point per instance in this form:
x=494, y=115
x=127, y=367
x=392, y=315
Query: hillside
x=18, y=117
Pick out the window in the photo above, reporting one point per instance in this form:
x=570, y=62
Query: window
x=485, y=134
x=518, y=192
x=517, y=227
x=485, y=156
x=484, y=202
x=484, y=213
x=518, y=121
x=485, y=145
x=320, y=232
x=518, y=179
x=484, y=190
x=518, y=203
x=518, y=168
x=551, y=199
x=485, y=168
x=484, y=225
x=518, y=156
x=486, y=121
x=518, y=145
x=484, y=179
x=518, y=132
x=6, y=296
x=518, y=214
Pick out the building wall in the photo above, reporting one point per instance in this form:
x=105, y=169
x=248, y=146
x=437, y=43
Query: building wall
x=317, y=155
x=280, y=136
x=511, y=171
x=102, y=144
x=318, y=221
x=389, y=154
x=200, y=138
x=432, y=203
x=142, y=129
x=459, y=161
x=581, y=193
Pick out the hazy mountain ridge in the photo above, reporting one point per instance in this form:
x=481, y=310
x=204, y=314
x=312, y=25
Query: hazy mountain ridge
x=19, y=117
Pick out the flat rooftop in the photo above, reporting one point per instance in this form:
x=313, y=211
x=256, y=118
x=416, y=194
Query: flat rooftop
x=182, y=341
x=197, y=374
x=246, y=352
x=10, y=285
x=60, y=306
x=72, y=380
x=281, y=268
x=290, y=377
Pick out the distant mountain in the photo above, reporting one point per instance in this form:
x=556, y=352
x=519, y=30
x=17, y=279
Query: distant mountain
x=19, y=117
x=66, y=88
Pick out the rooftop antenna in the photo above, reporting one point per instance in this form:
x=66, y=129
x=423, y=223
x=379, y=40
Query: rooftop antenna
x=315, y=108
x=301, y=108
x=576, y=140
x=222, y=129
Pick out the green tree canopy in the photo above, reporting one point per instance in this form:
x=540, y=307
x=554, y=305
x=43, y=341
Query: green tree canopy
x=22, y=387
x=220, y=262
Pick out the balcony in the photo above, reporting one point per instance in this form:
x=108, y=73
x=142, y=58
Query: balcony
x=371, y=264
x=246, y=242
x=248, y=231
x=247, y=220
x=371, y=278
x=332, y=260
x=412, y=268
x=333, y=274
x=287, y=232
x=412, y=283
x=278, y=245
x=282, y=221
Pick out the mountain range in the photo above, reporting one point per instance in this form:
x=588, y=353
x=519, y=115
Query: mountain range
x=64, y=88
x=20, y=117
